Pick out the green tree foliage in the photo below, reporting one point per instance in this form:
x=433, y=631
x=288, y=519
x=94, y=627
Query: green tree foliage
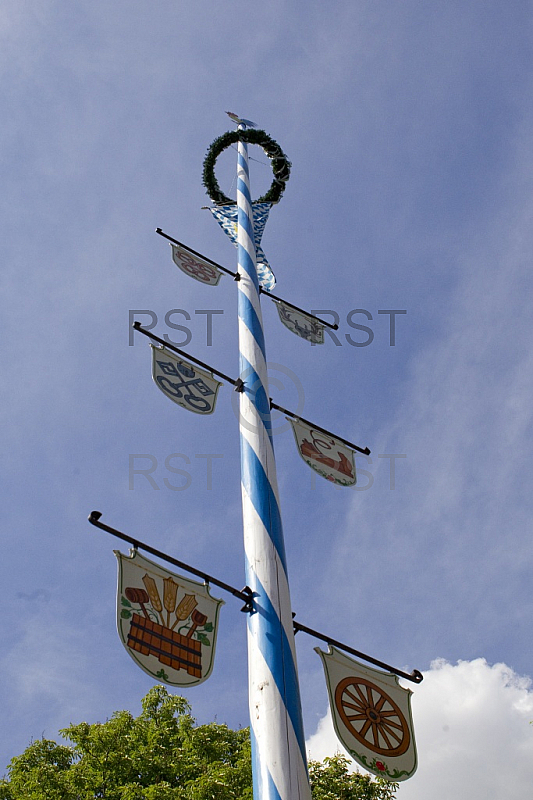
x=331, y=780
x=160, y=755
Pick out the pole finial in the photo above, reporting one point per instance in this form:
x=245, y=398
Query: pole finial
x=239, y=121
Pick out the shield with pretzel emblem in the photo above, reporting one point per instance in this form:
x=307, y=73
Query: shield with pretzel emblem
x=195, y=266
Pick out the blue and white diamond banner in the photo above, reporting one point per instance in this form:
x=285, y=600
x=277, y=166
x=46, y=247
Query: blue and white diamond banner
x=226, y=216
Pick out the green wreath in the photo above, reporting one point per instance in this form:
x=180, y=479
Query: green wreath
x=281, y=166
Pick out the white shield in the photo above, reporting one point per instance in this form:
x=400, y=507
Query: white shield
x=371, y=715
x=167, y=623
x=185, y=383
x=300, y=324
x=195, y=266
x=325, y=454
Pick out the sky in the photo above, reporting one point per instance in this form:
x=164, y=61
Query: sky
x=409, y=128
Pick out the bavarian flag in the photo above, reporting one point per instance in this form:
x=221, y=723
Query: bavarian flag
x=226, y=216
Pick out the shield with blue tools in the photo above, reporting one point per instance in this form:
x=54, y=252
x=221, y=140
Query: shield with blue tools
x=184, y=383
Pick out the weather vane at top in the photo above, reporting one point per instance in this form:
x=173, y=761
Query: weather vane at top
x=239, y=121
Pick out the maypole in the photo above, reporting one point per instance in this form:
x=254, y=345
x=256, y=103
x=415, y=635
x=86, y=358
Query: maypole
x=168, y=623
x=278, y=744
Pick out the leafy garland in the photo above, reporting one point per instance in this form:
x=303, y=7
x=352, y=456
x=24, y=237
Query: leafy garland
x=281, y=166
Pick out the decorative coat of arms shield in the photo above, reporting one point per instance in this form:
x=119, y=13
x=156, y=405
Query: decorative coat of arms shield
x=325, y=454
x=167, y=623
x=371, y=715
x=301, y=324
x=194, y=266
x=184, y=383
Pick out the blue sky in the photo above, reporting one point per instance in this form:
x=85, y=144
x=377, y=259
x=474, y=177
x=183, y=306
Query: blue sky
x=409, y=129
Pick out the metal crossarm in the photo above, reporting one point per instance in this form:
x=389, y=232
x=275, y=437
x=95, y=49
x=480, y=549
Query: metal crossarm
x=246, y=595
x=236, y=277
x=239, y=384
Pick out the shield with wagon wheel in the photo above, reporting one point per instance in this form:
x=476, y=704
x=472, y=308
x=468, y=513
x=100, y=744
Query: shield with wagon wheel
x=371, y=715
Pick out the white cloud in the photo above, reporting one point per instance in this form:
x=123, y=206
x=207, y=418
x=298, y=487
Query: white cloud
x=473, y=732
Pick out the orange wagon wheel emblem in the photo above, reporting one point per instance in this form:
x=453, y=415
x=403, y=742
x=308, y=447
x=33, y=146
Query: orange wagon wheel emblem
x=372, y=717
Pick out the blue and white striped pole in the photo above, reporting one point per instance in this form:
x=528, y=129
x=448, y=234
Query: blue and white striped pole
x=278, y=744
